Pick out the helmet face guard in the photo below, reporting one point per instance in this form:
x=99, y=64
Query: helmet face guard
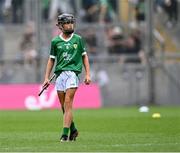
x=65, y=19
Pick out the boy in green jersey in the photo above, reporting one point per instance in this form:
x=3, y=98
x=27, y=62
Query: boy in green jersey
x=68, y=49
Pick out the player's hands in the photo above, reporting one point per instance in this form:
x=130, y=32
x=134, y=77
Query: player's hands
x=46, y=83
x=87, y=80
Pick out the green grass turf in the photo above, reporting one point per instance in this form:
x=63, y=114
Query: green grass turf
x=108, y=129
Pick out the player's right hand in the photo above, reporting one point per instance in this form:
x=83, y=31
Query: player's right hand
x=46, y=83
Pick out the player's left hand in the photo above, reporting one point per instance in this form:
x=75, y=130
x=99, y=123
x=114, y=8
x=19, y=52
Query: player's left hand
x=87, y=80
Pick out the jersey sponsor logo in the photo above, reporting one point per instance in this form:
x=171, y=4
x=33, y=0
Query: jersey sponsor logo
x=67, y=56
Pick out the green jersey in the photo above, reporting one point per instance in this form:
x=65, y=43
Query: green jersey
x=68, y=53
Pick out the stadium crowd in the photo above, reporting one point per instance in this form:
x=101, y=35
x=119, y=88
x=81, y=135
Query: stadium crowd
x=109, y=35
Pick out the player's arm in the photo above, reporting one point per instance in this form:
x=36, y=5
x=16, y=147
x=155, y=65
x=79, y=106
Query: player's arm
x=87, y=69
x=50, y=63
x=49, y=68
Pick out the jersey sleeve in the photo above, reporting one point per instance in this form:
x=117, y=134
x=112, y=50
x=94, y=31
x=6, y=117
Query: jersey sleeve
x=83, y=46
x=52, y=50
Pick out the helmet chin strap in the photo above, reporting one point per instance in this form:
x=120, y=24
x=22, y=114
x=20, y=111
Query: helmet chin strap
x=68, y=32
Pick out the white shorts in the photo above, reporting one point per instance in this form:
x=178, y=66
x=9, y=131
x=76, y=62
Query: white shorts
x=66, y=80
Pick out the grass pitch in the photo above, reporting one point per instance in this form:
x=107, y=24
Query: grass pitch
x=120, y=129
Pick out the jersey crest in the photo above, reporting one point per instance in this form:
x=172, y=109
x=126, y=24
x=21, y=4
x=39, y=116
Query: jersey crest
x=75, y=46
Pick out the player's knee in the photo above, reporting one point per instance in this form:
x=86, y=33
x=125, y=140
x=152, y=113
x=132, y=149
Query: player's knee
x=68, y=100
x=68, y=104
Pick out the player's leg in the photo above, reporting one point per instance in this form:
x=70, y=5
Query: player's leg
x=73, y=130
x=61, y=96
x=68, y=116
x=69, y=98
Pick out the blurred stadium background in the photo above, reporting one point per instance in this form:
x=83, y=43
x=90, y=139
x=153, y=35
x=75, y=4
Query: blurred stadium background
x=134, y=53
x=133, y=45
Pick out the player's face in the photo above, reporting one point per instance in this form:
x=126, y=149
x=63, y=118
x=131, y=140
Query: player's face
x=68, y=26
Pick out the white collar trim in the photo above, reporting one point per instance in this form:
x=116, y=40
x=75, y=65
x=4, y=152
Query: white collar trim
x=66, y=39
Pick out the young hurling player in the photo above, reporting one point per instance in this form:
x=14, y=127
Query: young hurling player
x=69, y=51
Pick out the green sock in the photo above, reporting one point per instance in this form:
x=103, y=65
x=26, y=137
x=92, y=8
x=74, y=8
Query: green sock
x=65, y=131
x=72, y=127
